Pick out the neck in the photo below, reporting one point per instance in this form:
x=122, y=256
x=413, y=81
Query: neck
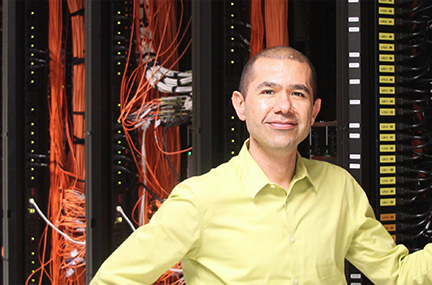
x=279, y=166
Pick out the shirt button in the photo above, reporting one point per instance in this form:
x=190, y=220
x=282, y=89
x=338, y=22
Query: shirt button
x=296, y=281
x=292, y=239
x=272, y=186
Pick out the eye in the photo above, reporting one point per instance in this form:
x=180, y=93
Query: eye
x=299, y=94
x=267, y=92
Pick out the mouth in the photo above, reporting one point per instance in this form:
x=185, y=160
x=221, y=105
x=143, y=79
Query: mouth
x=282, y=125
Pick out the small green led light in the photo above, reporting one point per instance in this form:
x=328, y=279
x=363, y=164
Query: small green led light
x=118, y=105
x=119, y=142
x=119, y=53
x=232, y=15
x=232, y=61
x=119, y=43
x=232, y=3
x=118, y=63
x=32, y=13
x=32, y=133
x=32, y=63
x=189, y=153
x=32, y=238
x=119, y=73
x=33, y=262
x=32, y=151
x=119, y=162
x=232, y=129
x=118, y=23
x=32, y=169
x=32, y=109
x=232, y=152
x=32, y=142
x=232, y=27
x=119, y=172
x=232, y=38
x=232, y=50
x=32, y=54
x=119, y=183
x=118, y=33
x=32, y=45
x=118, y=121
x=32, y=178
x=32, y=160
x=233, y=141
x=119, y=152
x=32, y=81
x=119, y=131
x=32, y=36
x=32, y=72
x=118, y=12
x=32, y=124
x=232, y=118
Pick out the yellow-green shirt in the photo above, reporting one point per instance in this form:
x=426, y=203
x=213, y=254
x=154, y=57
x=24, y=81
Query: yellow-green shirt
x=233, y=226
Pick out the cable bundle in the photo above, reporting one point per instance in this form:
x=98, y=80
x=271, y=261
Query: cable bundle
x=146, y=107
x=66, y=202
x=413, y=112
x=271, y=28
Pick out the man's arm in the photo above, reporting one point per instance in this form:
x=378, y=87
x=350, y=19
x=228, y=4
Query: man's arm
x=374, y=252
x=154, y=248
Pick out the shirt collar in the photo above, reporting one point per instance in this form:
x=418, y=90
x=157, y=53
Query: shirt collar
x=255, y=178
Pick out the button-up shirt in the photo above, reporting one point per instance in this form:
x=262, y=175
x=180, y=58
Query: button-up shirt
x=234, y=226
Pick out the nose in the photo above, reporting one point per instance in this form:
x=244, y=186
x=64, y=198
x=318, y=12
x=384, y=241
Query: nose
x=282, y=104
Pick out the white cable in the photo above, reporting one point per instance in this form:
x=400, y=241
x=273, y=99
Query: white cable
x=120, y=210
x=33, y=202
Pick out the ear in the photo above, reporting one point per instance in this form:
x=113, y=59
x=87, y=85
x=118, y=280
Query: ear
x=238, y=102
x=315, y=109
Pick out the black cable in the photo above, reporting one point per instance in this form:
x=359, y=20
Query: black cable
x=151, y=192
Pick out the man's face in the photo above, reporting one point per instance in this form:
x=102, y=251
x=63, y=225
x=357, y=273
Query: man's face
x=279, y=108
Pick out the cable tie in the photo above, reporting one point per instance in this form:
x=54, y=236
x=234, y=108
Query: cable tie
x=77, y=60
x=79, y=12
x=77, y=140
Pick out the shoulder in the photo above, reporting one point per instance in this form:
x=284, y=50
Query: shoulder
x=218, y=178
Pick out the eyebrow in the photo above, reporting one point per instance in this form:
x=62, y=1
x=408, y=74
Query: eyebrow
x=292, y=86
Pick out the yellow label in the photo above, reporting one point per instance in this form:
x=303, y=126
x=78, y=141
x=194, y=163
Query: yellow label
x=388, y=191
x=386, y=11
x=386, y=1
x=387, y=101
x=387, y=148
x=386, y=36
x=388, y=202
x=386, y=47
x=387, y=137
x=387, y=68
x=386, y=57
x=386, y=90
x=387, y=169
x=387, y=79
x=388, y=217
x=387, y=126
x=387, y=158
x=390, y=227
x=387, y=112
x=386, y=21
x=387, y=180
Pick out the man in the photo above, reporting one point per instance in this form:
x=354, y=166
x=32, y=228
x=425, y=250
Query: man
x=268, y=216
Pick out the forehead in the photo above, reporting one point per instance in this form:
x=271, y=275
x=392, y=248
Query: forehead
x=281, y=71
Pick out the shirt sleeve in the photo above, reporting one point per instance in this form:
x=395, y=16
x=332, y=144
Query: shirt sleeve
x=374, y=252
x=154, y=248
